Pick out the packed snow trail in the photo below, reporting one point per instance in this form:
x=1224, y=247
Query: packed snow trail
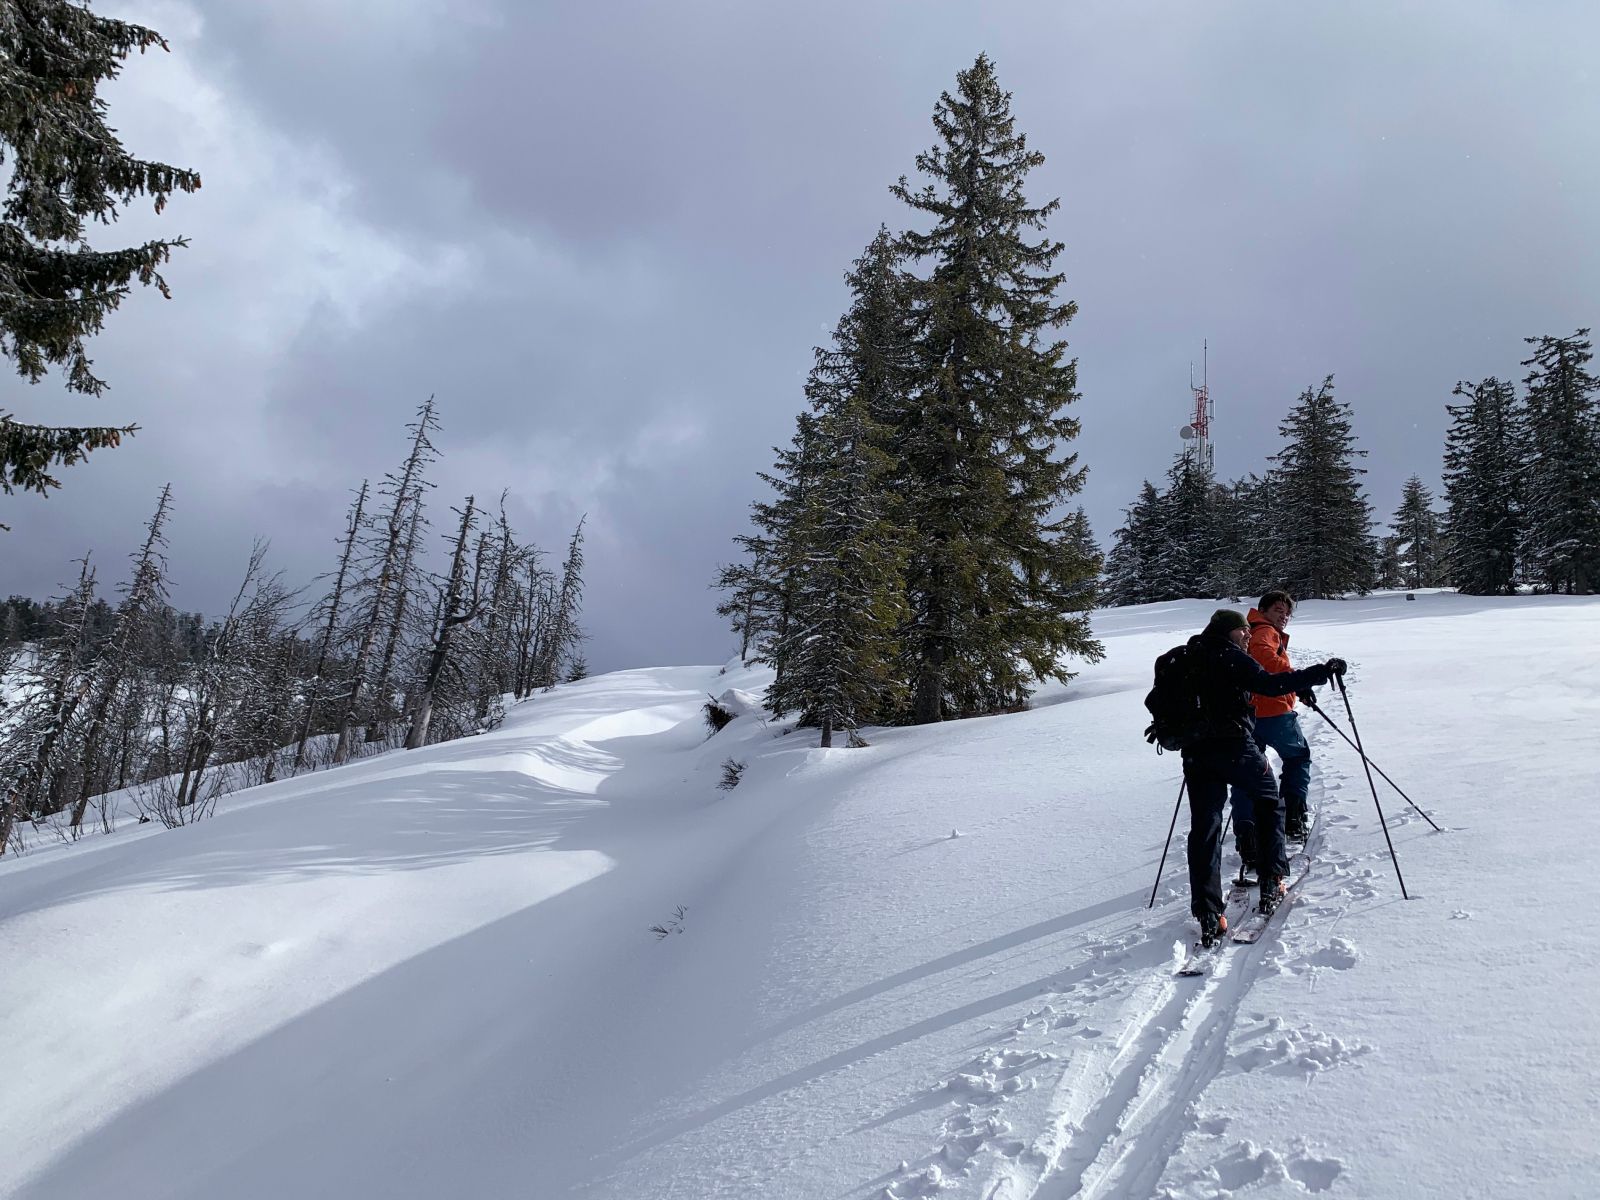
x=922, y=968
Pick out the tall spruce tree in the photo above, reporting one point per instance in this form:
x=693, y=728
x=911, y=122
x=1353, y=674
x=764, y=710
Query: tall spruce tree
x=980, y=440
x=1417, y=538
x=841, y=648
x=1483, y=480
x=67, y=168
x=1562, y=488
x=1321, y=516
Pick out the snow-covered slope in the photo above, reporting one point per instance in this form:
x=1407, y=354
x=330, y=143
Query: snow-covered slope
x=925, y=967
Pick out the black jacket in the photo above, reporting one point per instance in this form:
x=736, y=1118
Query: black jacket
x=1225, y=678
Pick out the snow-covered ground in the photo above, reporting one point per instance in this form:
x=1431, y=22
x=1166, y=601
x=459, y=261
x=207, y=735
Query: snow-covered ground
x=921, y=968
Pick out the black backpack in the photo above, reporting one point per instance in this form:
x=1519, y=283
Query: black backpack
x=1174, y=703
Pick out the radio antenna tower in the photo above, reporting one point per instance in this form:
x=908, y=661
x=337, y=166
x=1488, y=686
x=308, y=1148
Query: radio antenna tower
x=1198, y=430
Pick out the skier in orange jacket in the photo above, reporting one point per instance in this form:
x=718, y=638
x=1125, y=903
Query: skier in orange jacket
x=1277, y=725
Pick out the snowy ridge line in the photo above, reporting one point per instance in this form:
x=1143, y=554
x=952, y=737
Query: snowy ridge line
x=1120, y=1112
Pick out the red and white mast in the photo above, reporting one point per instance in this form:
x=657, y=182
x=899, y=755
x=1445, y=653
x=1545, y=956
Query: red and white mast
x=1198, y=430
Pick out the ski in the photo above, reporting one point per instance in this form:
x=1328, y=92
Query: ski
x=1253, y=926
x=1245, y=925
x=1236, y=905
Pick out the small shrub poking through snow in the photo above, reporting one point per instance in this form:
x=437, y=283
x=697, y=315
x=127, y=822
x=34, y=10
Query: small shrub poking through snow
x=717, y=717
x=731, y=771
x=673, y=924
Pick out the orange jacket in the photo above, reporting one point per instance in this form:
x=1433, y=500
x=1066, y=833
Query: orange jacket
x=1271, y=649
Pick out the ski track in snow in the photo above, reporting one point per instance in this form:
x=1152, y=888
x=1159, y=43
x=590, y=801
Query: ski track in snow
x=1127, y=1050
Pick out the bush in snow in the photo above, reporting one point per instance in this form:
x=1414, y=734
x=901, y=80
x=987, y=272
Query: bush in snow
x=673, y=924
x=731, y=771
x=717, y=717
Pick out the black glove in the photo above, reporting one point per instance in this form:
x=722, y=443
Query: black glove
x=1336, y=666
x=1307, y=697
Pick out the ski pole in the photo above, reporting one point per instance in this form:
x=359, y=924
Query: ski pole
x=1168, y=846
x=1316, y=709
x=1365, y=762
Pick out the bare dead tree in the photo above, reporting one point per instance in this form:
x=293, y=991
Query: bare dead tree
x=332, y=606
x=404, y=492
x=274, y=722
x=456, y=608
x=221, y=685
x=51, y=692
x=404, y=601
x=535, y=598
x=494, y=645
x=562, y=636
x=145, y=592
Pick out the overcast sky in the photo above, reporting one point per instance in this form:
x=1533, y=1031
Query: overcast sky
x=608, y=235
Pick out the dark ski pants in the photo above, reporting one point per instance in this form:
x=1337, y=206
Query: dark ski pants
x=1283, y=734
x=1210, y=770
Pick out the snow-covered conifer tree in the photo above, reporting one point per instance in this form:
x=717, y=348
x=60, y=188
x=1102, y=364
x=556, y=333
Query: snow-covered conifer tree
x=1185, y=559
x=1483, y=480
x=1417, y=538
x=1317, y=507
x=1134, y=549
x=1248, y=548
x=1562, y=489
x=760, y=599
x=841, y=647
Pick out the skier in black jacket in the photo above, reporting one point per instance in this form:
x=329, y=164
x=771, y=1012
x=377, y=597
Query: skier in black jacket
x=1224, y=752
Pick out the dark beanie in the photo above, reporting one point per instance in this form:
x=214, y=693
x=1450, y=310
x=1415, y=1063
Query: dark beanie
x=1225, y=621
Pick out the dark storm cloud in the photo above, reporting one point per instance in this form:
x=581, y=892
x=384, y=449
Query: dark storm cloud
x=607, y=237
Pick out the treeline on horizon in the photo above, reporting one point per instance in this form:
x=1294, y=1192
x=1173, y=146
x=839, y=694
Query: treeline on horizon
x=916, y=560
x=1521, y=502
x=103, y=697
